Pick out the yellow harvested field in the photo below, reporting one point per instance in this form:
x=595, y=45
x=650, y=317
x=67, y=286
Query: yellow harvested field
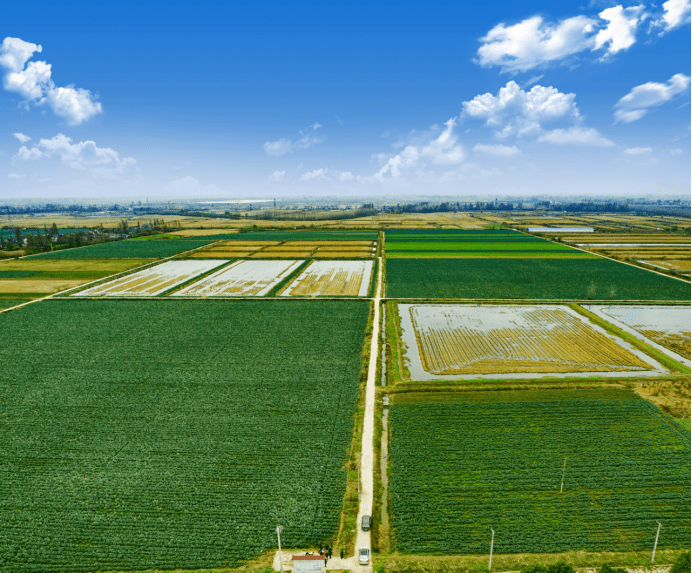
x=332, y=278
x=342, y=254
x=94, y=265
x=347, y=249
x=345, y=244
x=243, y=244
x=462, y=340
x=282, y=255
x=671, y=265
x=219, y=254
x=47, y=286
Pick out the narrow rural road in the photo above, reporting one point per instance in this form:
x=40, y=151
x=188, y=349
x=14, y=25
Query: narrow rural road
x=367, y=455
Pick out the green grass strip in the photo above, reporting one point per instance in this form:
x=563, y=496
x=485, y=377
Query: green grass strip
x=195, y=279
x=289, y=278
x=373, y=279
x=647, y=349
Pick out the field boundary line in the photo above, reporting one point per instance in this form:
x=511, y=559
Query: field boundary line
x=93, y=283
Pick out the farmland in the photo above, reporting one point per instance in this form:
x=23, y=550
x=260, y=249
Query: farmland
x=468, y=462
x=299, y=249
x=242, y=278
x=131, y=249
x=332, y=278
x=546, y=279
x=31, y=278
x=666, y=326
x=153, y=280
x=124, y=449
x=473, y=244
x=467, y=341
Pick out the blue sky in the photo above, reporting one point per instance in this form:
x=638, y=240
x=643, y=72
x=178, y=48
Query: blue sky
x=264, y=99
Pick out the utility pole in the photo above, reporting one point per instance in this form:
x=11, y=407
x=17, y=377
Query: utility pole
x=279, y=528
x=564, y=467
x=492, y=541
x=656, y=542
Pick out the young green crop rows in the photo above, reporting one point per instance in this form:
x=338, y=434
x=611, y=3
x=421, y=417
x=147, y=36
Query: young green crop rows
x=173, y=434
x=131, y=249
x=556, y=279
x=495, y=460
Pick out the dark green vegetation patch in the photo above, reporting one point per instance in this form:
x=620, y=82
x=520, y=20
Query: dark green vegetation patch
x=9, y=303
x=132, y=249
x=582, y=279
x=456, y=243
x=12, y=274
x=173, y=434
x=458, y=469
x=296, y=236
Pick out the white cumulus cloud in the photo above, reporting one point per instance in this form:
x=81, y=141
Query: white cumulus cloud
x=101, y=161
x=641, y=99
x=620, y=34
x=15, y=176
x=497, y=150
x=677, y=151
x=35, y=85
x=21, y=137
x=537, y=43
x=638, y=151
x=534, y=42
x=514, y=111
x=675, y=14
x=575, y=136
x=277, y=176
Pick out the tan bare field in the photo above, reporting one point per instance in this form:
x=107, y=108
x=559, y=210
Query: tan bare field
x=219, y=254
x=48, y=286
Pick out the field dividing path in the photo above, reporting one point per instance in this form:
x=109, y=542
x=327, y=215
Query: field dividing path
x=367, y=455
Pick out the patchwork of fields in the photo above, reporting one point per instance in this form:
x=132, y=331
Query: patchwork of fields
x=178, y=430
x=466, y=462
x=242, y=278
x=153, y=280
x=173, y=433
x=415, y=243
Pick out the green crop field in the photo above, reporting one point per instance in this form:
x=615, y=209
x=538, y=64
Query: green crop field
x=495, y=460
x=132, y=249
x=173, y=434
x=9, y=303
x=295, y=236
x=581, y=279
x=455, y=243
